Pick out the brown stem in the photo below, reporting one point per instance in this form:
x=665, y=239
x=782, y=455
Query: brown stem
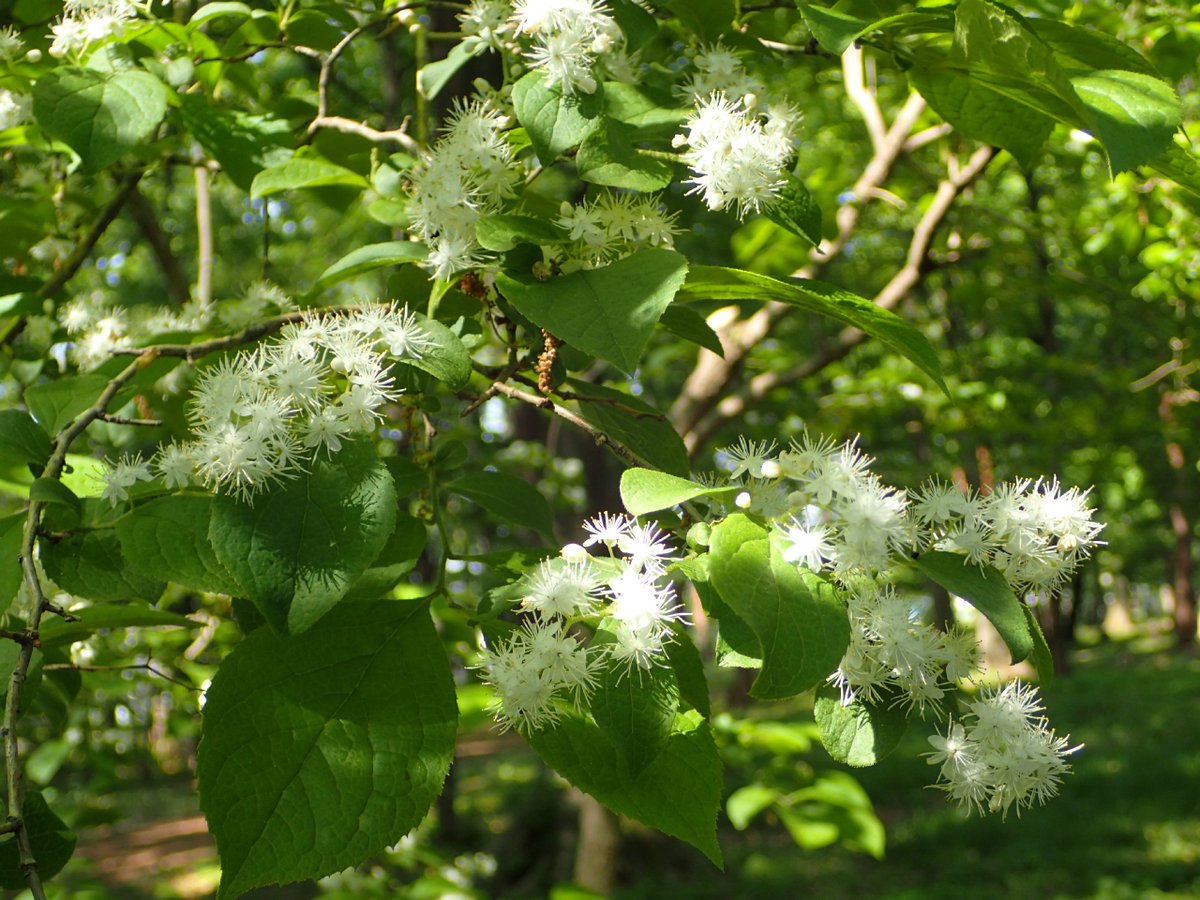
x=160, y=244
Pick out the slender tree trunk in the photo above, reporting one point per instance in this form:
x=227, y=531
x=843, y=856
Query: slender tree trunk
x=596, y=853
x=1185, y=589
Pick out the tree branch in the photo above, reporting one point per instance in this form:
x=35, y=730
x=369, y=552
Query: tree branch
x=143, y=214
x=82, y=250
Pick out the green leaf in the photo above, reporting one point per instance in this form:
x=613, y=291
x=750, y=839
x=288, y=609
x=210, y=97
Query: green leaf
x=298, y=549
x=302, y=172
x=52, y=842
x=243, y=144
x=744, y=804
x=639, y=26
x=22, y=440
x=691, y=326
x=1087, y=48
x=322, y=749
x=11, y=532
x=51, y=490
x=833, y=30
x=796, y=210
x=368, y=258
x=512, y=499
x=436, y=75
x=798, y=618
x=503, y=232
x=984, y=588
x=99, y=115
x=646, y=491
x=860, y=734
x=219, y=8
x=608, y=156
x=649, y=115
x=90, y=564
x=106, y=617
x=1180, y=166
x=55, y=404
x=554, y=122
x=636, y=709
x=715, y=283
x=446, y=358
x=168, y=538
x=679, y=793
x=709, y=19
x=1133, y=115
x=1042, y=658
x=984, y=114
x=398, y=557
x=633, y=423
x=685, y=662
x=608, y=312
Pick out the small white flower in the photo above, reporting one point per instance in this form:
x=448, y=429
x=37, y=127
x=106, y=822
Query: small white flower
x=607, y=529
x=121, y=476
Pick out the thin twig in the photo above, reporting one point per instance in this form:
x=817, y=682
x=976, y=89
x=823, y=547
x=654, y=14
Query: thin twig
x=124, y=420
x=600, y=437
x=347, y=126
x=131, y=667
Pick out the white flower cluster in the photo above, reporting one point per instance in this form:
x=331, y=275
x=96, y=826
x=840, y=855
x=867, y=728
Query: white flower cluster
x=610, y=227
x=1003, y=753
x=15, y=109
x=830, y=513
x=86, y=22
x=263, y=414
x=1033, y=531
x=487, y=25
x=568, y=36
x=621, y=597
x=737, y=153
x=467, y=175
x=720, y=70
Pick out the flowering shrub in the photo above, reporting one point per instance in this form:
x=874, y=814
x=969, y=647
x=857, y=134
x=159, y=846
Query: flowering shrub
x=276, y=455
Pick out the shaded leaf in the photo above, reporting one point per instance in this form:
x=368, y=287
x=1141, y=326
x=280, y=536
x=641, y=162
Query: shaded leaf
x=53, y=843
x=99, y=115
x=512, y=499
x=860, y=733
x=984, y=588
x=22, y=440
x=633, y=423
x=106, y=617
x=679, y=793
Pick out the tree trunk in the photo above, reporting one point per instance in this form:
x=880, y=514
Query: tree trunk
x=1185, y=590
x=596, y=853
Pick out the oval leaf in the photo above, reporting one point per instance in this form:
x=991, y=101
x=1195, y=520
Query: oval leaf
x=858, y=734
x=679, y=793
x=799, y=620
x=303, y=173
x=512, y=499
x=646, y=491
x=97, y=114
x=322, y=749
x=22, y=440
x=608, y=312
